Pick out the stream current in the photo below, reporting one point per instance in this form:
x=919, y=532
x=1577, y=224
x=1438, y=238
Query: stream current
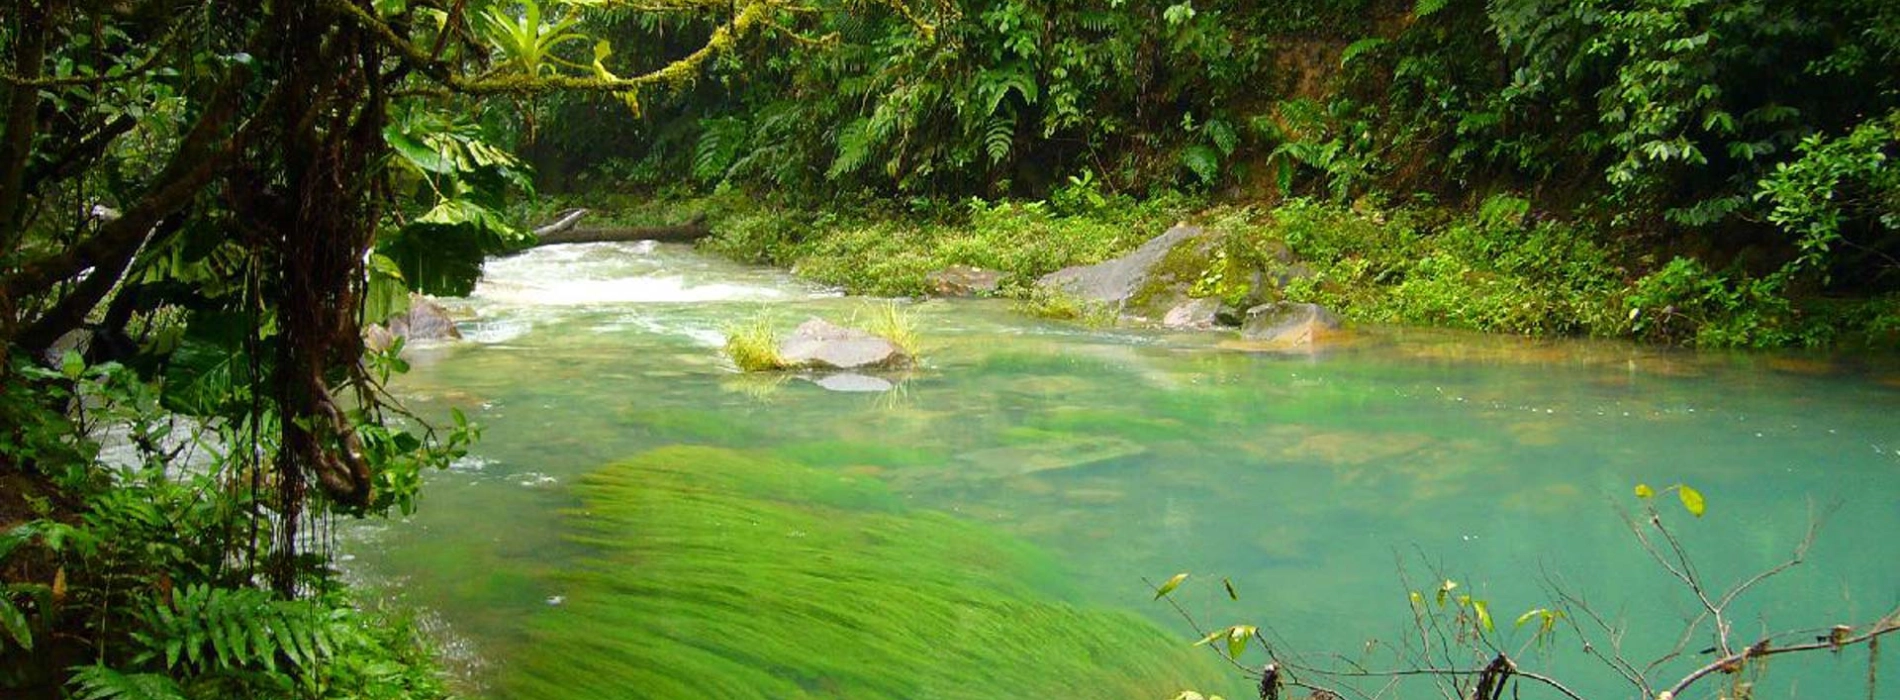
x=1322, y=486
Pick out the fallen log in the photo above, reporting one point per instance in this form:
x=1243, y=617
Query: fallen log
x=566, y=229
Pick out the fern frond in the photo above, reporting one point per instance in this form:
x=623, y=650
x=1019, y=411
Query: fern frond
x=1203, y=161
x=101, y=683
x=998, y=135
x=1222, y=135
x=209, y=629
x=718, y=147
x=854, y=148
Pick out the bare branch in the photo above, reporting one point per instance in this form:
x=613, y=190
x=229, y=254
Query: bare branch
x=1729, y=663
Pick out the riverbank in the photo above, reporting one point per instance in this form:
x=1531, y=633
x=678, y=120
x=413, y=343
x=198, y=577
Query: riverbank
x=1497, y=266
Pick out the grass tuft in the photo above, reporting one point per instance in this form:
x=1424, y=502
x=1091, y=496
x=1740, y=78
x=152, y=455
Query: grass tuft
x=753, y=346
x=890, y=321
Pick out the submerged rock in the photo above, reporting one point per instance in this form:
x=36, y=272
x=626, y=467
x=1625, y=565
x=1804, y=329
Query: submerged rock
x=852, y=382
x=820, y=344
x=963, y=281
x=1289, y=324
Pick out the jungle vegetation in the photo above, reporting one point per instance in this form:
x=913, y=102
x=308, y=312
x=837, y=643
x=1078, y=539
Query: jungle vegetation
x=1709, y=172
x=202, y=203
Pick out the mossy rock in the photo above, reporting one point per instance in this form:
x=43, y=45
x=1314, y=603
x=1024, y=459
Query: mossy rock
x=726, y=574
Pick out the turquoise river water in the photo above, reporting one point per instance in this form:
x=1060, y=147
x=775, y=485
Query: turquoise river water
x=1321, y=486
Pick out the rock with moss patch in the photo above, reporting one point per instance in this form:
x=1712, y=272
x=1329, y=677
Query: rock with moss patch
x=1143, y=284
x=1290, y=324
x=1187, y=278
x=963, y=281
x=820, y=344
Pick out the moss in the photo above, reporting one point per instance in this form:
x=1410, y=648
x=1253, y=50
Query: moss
x=723, y=574
x=754, y=346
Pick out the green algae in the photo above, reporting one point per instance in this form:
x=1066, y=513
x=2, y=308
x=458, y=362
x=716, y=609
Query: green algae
x=718, y=573
x=847, y=453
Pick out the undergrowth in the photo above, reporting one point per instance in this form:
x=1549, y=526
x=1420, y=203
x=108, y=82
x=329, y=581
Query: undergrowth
x=1497, y=266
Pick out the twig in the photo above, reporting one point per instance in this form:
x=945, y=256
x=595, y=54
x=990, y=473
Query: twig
x=1762, y=649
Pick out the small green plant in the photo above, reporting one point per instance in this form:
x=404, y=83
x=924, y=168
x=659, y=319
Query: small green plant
x=890, y=321
x=753, y=346
x=1043, y=302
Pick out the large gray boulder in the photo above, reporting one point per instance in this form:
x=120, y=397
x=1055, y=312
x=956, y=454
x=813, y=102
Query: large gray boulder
x=425, y=320
x=1138, y=284
x=1289, y=324
x=819, y=344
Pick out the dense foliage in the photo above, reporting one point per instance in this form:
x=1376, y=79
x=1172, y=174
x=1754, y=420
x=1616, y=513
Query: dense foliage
x=202, y=204
x=1731, y=155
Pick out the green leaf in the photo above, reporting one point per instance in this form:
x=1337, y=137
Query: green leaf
x=14, y=622
x=72, y=365
x=1644, y=491
x=1237, y=637
x=1203, y=161
x=1691, y=500
x=1171, y=584
x=1359, y=48
x=1484, y=614
x=1445, y=589
x=416, y=153
x=1528, y=616
x=1229, y=584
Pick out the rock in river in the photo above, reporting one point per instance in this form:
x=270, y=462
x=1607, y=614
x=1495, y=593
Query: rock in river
x=1136, y=281
x=1289, y=324
x=425, y=320
x=963, y=281
x=818, y=344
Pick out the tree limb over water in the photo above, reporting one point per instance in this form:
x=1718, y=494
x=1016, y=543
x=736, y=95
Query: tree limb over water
x=1454, y=636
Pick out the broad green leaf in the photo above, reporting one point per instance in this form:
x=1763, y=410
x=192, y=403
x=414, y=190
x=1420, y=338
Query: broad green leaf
x=1691, y=500
x=418, y=154
x=71, y=364
x=1644, y=491
x=14, y=622
x=1171, y=584
x=1484, y=614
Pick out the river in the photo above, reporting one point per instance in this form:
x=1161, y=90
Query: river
x=994, y=525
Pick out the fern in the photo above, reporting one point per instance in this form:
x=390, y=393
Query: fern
x=1425, y=8
x=1360, y=47
x=854, y=148
x=101, y=683
x=998, y=135
x=718, y=148
x=1203, y=161
x=1222, y=135
x=208, y=630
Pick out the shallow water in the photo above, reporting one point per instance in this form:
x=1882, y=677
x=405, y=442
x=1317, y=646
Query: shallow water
x=1318, y=484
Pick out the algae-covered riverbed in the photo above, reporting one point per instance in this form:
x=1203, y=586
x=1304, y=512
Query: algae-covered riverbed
x=640, y=520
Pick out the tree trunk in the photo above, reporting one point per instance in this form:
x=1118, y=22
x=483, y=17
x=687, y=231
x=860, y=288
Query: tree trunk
x=566, y=229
